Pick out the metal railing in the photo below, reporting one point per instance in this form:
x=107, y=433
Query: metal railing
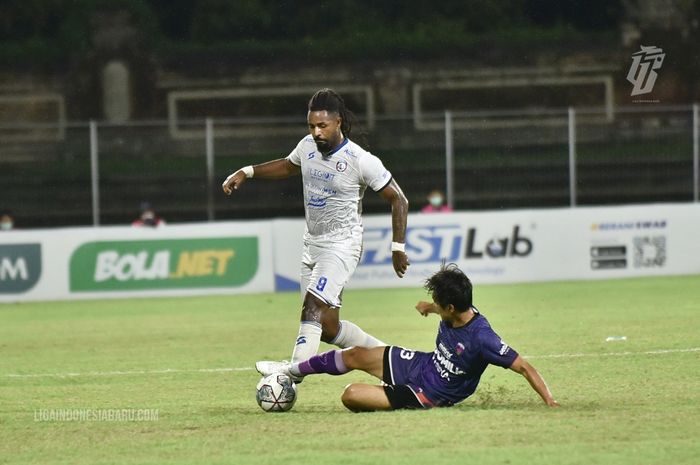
x=481, y=159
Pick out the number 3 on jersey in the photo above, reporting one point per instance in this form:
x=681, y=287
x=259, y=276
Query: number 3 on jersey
x=406, y=354
x=321, y=283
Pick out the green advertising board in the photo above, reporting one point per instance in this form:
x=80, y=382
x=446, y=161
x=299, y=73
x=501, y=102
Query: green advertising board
x=20, y=267
x=164, y=264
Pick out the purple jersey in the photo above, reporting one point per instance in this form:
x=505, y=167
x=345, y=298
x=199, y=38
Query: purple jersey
x=451, y=373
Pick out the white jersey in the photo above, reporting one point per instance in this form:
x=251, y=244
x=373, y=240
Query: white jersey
x=334, y=186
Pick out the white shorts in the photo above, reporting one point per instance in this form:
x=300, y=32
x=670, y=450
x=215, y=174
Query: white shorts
x=325, y=270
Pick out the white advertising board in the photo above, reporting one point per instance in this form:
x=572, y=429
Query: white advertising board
x=261, y=256
x=72, y=263
x=520, y=245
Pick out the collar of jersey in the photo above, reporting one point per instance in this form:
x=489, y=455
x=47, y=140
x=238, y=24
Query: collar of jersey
x=477, y=314
x=340, y=146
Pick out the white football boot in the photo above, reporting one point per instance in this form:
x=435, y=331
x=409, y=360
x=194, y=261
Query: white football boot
x=268, y=367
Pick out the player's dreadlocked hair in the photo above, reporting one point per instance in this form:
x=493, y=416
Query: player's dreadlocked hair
x=330, y=101
x=450, y=286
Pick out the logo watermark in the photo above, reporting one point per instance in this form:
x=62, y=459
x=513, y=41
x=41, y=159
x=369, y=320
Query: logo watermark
x=642, y=74
x=96, y=415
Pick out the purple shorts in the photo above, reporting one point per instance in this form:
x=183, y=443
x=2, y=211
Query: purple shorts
x=402, y=373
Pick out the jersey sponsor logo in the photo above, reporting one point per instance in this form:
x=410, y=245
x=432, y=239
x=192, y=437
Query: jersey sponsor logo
x=504, y=348
x=320, y=175
x=20, y=267
x=316, y=202
x=445, y=366
x=341, y=166
x=445, y=351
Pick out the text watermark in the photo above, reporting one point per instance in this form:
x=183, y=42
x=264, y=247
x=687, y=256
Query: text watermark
x=96, y=415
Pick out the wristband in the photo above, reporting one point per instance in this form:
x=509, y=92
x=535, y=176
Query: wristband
x=248, y=170
x=398, y=247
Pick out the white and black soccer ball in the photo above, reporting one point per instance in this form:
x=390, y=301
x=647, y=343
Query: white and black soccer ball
x=276, y=393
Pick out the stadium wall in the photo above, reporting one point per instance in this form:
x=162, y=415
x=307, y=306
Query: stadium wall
x=262, y=256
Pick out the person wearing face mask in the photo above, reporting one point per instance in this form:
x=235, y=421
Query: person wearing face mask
x=436, y=203
x=6, y=222
x=148, y=217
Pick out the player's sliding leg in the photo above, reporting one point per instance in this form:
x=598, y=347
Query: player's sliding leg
x=330, y=363
x=339, y=362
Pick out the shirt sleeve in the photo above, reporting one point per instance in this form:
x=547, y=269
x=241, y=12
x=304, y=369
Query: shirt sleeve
x=295, y=155
x=496, y=351
x=373, y=172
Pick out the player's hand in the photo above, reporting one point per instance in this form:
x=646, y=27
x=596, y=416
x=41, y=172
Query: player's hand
x=400, y=262
x=233, y=182
x=553, y=403
x=424, y=308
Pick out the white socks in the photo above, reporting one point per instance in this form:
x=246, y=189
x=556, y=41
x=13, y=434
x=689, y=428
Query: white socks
x=351, y=335
x=307, y=342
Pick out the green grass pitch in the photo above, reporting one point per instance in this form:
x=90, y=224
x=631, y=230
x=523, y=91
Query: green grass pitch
x=190, y=360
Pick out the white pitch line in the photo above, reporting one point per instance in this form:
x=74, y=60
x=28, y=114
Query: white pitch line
x=618, y=354
x=122, y=373
x=229, y=370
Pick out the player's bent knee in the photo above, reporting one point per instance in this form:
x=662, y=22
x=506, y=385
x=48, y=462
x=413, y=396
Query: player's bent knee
x=365, y=398
x=352, y=398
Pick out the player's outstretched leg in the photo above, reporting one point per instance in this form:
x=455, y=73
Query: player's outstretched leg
x=330, y=362
x=339, y=362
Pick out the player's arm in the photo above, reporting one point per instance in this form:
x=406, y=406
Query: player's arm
x=426, y=308
x=275, y=169
x=533, y=377
x=393, y=194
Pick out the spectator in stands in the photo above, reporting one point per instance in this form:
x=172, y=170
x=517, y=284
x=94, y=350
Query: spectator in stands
x=436, y=203
x=148, y=217
x=7, y=223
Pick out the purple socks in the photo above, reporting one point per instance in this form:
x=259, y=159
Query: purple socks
x=330, y=362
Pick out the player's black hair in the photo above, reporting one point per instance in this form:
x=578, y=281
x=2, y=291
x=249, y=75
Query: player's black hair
x=331, y=101
x=450, y=286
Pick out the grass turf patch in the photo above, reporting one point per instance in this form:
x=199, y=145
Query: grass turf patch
x=190, y=359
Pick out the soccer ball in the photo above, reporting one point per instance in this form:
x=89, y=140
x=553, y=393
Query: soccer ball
x=276, y=393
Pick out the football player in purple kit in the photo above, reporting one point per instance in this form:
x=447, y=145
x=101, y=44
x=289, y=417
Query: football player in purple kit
x=465, y=345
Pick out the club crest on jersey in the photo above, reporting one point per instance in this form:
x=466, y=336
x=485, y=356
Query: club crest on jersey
x=341, y=166
x=459, y=349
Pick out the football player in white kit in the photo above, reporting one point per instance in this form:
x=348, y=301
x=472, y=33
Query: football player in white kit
x=335, y=173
